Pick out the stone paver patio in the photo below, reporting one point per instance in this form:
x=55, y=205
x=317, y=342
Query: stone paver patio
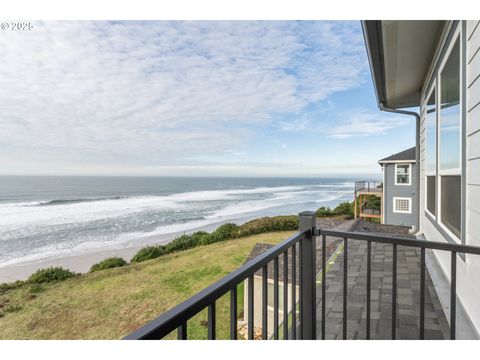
x=408, y=295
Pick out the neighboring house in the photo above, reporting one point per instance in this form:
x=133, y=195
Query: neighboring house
x=400, y=201
x=258, y=249
x=435, y=66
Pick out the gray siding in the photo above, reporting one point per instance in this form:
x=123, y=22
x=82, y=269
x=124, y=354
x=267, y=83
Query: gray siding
x=406, y=191
x=468, y=267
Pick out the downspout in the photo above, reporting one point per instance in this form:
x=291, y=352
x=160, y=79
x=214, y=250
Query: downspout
x=417, y=150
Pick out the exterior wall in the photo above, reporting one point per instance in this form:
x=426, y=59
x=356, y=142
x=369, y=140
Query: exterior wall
x=257, y=299
x=391, y=190
x=468, y=267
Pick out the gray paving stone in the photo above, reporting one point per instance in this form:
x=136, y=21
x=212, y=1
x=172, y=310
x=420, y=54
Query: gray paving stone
x=408, y=295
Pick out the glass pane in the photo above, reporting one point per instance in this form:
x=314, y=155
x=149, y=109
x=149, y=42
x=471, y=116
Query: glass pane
x=431, y=140
x=402, y=174
x=451, y=203
x=450, y=111
x=431, y=180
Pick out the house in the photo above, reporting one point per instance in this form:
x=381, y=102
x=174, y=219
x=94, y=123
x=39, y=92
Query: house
x=400, y=201
x=434, y=66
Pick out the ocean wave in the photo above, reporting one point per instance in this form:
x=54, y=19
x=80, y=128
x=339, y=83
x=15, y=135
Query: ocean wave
x=35, y=230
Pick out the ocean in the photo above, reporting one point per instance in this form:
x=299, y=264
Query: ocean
x=52, y=217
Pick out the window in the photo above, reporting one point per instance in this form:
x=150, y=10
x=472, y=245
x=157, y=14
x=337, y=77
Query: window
x=431, y=185
x=450, y=111
x=402, y=205
x=431, y=150
x=402, y=174
x=451, y=211
x=449, y=146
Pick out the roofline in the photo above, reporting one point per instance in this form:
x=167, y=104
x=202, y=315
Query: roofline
x=396, y=161
x=372, y=34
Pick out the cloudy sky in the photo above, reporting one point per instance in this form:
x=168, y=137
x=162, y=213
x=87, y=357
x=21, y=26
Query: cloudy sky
x=192, y=98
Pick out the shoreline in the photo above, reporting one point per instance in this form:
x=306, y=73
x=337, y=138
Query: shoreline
x=82, y=262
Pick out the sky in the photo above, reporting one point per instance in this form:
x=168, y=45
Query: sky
x=196, y=98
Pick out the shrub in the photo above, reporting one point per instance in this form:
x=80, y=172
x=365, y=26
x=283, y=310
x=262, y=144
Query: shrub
x=201, y=238
x=268, y=224
x=224, y=232
x=50, y=274
x=344, y=208
x=181, y=243
x=148, y=253
x=324, y=212
x=108, y=263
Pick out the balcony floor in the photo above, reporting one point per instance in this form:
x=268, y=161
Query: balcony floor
x=408, y=296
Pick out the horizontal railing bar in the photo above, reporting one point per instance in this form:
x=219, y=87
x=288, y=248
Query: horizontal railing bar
x=435, y=245
x=173, y=318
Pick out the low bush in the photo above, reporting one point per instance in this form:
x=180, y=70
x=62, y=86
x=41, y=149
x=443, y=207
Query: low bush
x=224, y=232
x=50, y=274
x=269, y=224
x=324, y=212
x=344, y=208
x=148, y=253
x=181, y=243
x=108, y=263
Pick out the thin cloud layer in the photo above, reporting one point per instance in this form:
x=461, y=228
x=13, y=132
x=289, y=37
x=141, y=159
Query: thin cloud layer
x=154, y=93
x=364, y=123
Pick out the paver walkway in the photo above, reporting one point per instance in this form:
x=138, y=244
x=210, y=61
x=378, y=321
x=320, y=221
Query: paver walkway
x=408, y=295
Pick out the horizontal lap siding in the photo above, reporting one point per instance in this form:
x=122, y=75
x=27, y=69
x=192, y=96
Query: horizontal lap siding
x=473, y=73
x=473, y=133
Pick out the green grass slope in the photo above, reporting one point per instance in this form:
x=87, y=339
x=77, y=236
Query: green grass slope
x=111, y=303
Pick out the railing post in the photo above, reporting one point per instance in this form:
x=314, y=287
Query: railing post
x=308, y=315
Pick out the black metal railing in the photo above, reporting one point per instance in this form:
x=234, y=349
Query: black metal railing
x=454, y=249
x=369, y=186
x=303, y=241
x=177, y=318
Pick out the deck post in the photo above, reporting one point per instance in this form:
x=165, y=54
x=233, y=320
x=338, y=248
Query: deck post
x=308, y=253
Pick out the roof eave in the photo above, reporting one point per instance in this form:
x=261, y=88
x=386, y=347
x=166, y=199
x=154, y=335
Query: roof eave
x=372, y=30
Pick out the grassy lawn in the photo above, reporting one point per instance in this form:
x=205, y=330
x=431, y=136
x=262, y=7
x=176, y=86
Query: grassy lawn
x=111, y=303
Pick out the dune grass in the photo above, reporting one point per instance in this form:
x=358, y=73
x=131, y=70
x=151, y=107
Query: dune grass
x=111, y=303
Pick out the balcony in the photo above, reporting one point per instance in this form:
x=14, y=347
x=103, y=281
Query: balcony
x=368, y=201
x=374, y=286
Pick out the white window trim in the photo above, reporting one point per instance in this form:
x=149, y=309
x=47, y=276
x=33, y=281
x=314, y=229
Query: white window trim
x=409, y=199
x=409, y=175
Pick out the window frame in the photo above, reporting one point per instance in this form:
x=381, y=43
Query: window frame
x=433, y=90
x=409, y=199
x=409, y=172
x=457, y=36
